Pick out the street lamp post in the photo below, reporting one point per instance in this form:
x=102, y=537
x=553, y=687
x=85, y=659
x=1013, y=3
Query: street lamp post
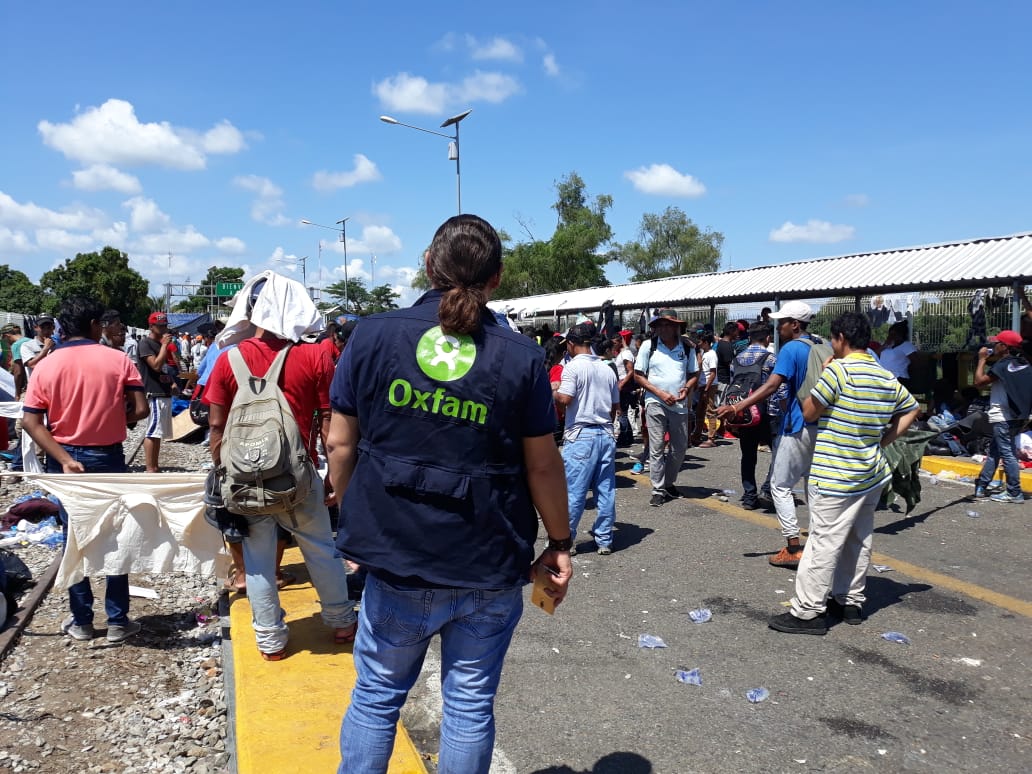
x=453, y=146
x=344, y=241
x=303, y=261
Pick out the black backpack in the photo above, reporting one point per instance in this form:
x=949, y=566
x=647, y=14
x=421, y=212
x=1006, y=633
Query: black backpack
x=746, y=380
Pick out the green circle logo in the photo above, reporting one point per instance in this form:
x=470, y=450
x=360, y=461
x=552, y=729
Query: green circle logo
x=444, y=357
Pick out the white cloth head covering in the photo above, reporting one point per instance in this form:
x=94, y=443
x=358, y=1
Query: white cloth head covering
x=283, y=308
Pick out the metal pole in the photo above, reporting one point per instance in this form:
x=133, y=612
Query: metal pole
x=344, y=238
x=458, y=175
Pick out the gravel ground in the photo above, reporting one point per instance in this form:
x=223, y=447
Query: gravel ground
x=154, y=703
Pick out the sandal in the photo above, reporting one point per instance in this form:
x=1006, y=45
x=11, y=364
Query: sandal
x=279, y=655
x=231, y=584
x=284, y=578
x=345, y=635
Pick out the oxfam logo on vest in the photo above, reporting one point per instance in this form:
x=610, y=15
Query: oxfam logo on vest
x=443, y=357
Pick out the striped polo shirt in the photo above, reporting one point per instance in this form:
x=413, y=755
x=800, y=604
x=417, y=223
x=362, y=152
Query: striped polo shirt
x=861, y=398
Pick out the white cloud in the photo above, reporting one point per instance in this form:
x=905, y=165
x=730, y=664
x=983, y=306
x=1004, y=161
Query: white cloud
x=414, y=94
x=145, y=215
x=365, y=171
x=857, y=200
x=102, y=177
x=14, y=241
x=268, y=205
x=179, y=241
x=550, y=65
x=497, y=48
x=231, y=246
x=815, y=231
x=375, y=239
x=31, y=215
x=664, y=180
x=59, y=240
x=116, y=235
x=112, y=134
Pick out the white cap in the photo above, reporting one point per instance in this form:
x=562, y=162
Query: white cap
x=796, y=310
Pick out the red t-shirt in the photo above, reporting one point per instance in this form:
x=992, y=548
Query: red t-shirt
x=305, y=379
x=81, y=386
x=330, y=345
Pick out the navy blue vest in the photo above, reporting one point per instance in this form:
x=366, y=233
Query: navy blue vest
x=439, y=493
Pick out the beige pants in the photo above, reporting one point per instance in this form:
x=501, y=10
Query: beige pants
x=837, y=552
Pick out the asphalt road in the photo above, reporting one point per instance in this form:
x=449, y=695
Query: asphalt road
x=578, y=695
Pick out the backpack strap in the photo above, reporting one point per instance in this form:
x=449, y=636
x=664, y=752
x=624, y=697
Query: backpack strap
x=244, y=375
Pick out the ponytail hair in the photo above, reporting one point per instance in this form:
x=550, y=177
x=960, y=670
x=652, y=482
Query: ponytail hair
x=465, y=255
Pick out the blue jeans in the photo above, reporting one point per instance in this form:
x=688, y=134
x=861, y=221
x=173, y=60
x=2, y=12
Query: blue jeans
x=590, y=461
x=97, y=459
x=310, y=526
x=1002, y=447
x=395, y=626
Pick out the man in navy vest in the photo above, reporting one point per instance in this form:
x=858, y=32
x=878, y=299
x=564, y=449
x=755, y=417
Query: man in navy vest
x=440, y=449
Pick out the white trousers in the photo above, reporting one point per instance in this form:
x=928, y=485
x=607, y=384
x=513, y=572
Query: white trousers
x=837, y=553
x=791, y=462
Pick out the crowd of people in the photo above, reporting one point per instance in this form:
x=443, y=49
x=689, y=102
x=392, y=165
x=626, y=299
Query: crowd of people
x=449, y=439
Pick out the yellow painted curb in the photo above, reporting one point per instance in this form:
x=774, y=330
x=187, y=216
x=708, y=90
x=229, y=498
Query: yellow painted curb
x=957, y=468
x=1013, y=604
x=288, y=712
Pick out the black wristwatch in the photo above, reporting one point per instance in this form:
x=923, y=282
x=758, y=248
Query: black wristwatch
x=560, y=545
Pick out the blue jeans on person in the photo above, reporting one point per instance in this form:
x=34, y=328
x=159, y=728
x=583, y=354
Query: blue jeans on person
x=395, y=626
x=310, y=526
x=97, y=459
x=1001, y=447
x=590, y=462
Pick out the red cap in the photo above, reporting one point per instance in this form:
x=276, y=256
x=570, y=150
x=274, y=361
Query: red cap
x=157, y=318
x=1010, y=338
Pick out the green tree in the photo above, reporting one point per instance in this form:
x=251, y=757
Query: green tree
x=105, y=276
x=18, y=293
x=203, y=298
x=573, y=257
x=382, y=298
x=668, y=245
x=155, y=303
x=357, y=295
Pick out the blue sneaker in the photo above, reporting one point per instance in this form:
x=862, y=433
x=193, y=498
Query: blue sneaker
x=995, y=486
x=637, y=467
x=1004, y=497
x=980, y=493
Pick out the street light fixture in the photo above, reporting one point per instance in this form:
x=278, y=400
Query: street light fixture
x=344, y=241
x=453, y=146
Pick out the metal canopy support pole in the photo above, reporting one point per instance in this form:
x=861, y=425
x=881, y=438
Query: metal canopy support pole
x=1016, y=305
x=777, y=339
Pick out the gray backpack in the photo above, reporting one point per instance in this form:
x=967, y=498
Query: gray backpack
x=265, y=465
x=819, y=352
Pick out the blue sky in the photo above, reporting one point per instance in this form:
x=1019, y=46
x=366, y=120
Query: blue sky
x=212, y=129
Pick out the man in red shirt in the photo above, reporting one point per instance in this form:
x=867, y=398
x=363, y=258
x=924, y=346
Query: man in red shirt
x=305, y=382
x=88, y=394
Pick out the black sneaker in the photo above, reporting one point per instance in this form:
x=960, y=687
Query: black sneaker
x=672, y=493
x=786, y=622
x=850, y=614
x=658, y=498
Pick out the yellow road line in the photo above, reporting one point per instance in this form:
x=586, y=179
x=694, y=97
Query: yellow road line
x=1013, y=604
x=288, y=712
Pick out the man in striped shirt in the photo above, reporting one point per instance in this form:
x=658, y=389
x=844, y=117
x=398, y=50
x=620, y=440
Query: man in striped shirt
x=861, y=408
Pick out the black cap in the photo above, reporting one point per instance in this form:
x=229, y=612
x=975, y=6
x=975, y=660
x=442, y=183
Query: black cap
x=581, y=333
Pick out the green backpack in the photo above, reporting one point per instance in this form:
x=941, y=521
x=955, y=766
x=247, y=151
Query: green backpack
x=819, y=352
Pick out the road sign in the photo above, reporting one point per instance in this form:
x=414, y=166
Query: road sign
x=227, y=288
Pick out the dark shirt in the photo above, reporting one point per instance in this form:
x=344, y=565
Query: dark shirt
x=156, y=383
x=439, y=493
x=725, y=354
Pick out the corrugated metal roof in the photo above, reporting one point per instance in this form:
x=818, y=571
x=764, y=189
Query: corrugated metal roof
x=972, y=263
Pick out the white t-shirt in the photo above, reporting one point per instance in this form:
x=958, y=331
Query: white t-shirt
x=895, y=359
x=667, y=369
x=592, y=385
x=709, y=363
